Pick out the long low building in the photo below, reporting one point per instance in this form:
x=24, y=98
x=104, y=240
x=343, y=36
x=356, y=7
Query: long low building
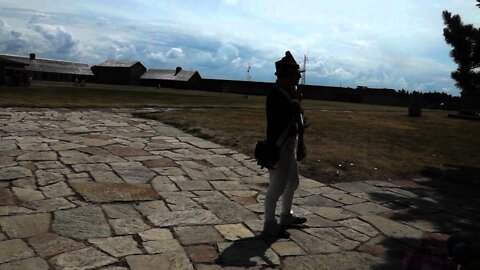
x=118, y=72
x=13, y=66
x=169, y=78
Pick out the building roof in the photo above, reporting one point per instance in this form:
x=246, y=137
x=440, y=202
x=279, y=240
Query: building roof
x=114, y=63
x=47, y=65
x=168, y=75
x=11, y=62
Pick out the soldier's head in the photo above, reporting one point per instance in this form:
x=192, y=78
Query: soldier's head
x=287, y=70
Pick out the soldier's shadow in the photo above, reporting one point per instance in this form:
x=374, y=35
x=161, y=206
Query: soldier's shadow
x=248, y=252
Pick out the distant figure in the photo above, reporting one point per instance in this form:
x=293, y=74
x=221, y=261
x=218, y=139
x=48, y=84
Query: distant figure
x=82, y=83
x=283, y=113
x=415, y=107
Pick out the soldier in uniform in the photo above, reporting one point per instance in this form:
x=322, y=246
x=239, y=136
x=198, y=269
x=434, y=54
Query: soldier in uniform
x=283, y=115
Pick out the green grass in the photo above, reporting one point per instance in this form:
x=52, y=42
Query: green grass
x=345, y=142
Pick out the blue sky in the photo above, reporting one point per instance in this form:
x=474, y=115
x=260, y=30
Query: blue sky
x=384, y=44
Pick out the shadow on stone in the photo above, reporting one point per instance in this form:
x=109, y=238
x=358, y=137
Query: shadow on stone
x=454, y=174
x=248, y=252
x=427, y=212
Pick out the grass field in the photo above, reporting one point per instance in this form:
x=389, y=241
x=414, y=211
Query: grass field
x=345, y=142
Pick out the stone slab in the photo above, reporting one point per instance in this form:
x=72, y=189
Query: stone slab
x=12, y=173
x=50, y=244
x=86, y=258
x=234, y=232
x=81, y=223
x=337, y=261
x=26, y=264
x=247, y=252
x=395, y=229
x=187, y=217
x=124, y=226
x=162, y=246
x=25, y=225
x=167, y=261
x=12, y=250
x=117, y=246
x=287, y=248
x=202, y=254
x=111, y=192
x=6, y=197
x=312, y=244
x=197, y=235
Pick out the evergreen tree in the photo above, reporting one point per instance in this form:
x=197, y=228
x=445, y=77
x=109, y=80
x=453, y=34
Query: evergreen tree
x=465, y=40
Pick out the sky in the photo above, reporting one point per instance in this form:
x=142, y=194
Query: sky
x=379, y=44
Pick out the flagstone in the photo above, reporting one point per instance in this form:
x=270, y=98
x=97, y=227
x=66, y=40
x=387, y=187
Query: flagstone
x=234, y=232
x=86, y=258
x=332, y=213
x=105, y=177
x=38, y=156
x=48, y=177
x=156, y=234
x=12, y=250
x=395, y=229
x=163, y=183
x=151, y=207
x=173, y=260
x=248, y=252
x=133, y=172
x=366, y=208
x=202, y=253
x=6, y=197
x=123, y=226
x=312, y=244
x=50, y=244
x=22, y=226
x=13, y=210
x=162, y=246
x=359, y=226
x=7, y=161
x=81, y=223
x=333, y=237
x=27, y=194
x=12, y=173
x=287, y=248
x=117, y=246
x=344, y=198
x=120, y=210
x=354, y=187
x=60, y=189
x=187, y=217
x=197, y=235
x=26, y=264
x=110, y=192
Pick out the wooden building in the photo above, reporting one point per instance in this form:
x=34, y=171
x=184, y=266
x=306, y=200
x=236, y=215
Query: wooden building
x=12, y=66
x=118, y=72
x=178, y=78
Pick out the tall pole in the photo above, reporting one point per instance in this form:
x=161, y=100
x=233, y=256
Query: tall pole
x=248, y=72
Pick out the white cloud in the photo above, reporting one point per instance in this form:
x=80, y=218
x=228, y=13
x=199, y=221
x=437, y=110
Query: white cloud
x=57, y=36
x=175, y=53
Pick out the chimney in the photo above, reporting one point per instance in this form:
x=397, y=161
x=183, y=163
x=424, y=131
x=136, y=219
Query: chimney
x=177, y=70
x=32, y=56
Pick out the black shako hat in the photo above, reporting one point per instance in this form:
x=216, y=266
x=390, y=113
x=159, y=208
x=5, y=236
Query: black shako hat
x=287, y=66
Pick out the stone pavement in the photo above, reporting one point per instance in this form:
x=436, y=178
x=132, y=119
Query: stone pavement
x=100, y=189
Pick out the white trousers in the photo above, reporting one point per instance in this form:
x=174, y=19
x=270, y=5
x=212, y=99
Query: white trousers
x=283, y=181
